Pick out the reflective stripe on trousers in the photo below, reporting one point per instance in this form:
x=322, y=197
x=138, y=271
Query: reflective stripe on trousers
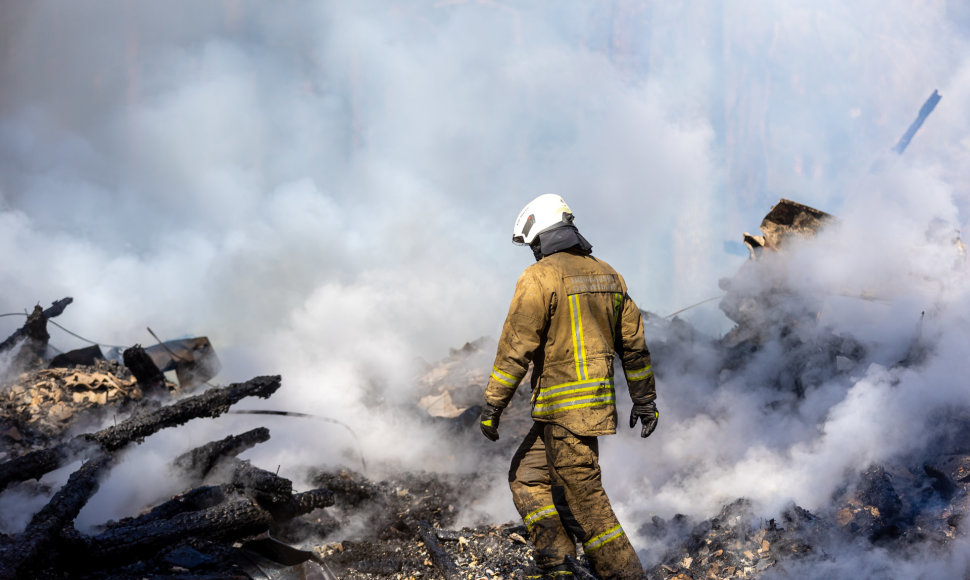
x=603, y=539
x=542, y=513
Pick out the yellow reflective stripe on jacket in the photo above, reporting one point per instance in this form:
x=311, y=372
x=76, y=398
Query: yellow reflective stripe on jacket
x=603, y=539
x=542, y=513
x=579, y=345
x=617, y=308
x=505, y=378
x=579, y=394
x=577, y=403
x=573, y=387
x=639, y=374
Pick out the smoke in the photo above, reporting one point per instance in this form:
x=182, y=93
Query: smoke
x=326, y=191
x=872, y=316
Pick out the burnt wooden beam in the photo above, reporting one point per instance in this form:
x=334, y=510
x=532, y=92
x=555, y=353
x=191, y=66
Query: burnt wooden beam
x=266, y=487
x=579, y=571
x=35, y=464
x=211, y=403
x=125, y=543
x=350, y=488
x=229, y=521
x=442, y=561
x=35, y=329
x=302, y=503
x=261, y=485
x=21, y=555
x=200, y=498
x=199, y=461
x=57, y=307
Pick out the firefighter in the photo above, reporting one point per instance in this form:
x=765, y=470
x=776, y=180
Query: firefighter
x=570, y=315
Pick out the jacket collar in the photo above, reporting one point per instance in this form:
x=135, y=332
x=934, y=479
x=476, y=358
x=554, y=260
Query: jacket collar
x=565, y=237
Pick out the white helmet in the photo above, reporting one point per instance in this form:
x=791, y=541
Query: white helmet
x=542, y=213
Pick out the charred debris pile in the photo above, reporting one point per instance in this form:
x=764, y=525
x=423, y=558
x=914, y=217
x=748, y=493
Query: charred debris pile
x=238, y=520
x=913, y=506
x=234, y=519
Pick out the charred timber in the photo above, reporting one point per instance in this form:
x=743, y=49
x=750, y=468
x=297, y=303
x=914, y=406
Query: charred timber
x=35, y=329
x=579, y=571
x=439, y=557
x=349, y=487
x=302, y=503
x=57, y=307
x=127, y=543
x=200, y=461
x=266, y=487
x=20, y=555
x=143, y=368
x=194, y=500
x=35, y=464
x=270, y=491
x=231, y=521
x=32, y=338
x=211, y=403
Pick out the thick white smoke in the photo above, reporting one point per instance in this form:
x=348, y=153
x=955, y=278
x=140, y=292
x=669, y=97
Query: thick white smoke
x=326, y=190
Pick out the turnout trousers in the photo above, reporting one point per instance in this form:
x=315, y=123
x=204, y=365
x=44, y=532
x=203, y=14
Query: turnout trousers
x=557, y=488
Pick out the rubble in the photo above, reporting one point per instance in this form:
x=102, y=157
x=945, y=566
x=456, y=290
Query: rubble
x=19, y=555
x=193, y=360
x=228, y=525
x=442, y=561
x=786, y=220
x=147, y=374
x=48, y=403
x=450, y=391
x=214, y=402
x=453, y=385
x=232, y=520
x=904, y=513
x=767, y=309
x=913, y=504
x=408, y=533
x=238, y=520
x=43, y=412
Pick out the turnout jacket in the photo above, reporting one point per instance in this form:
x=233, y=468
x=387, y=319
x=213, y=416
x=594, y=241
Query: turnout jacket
x=570, y=313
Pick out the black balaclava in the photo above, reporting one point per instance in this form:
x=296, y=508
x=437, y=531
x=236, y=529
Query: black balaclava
x=563, y=237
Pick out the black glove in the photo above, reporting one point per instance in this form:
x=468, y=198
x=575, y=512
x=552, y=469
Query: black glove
x=490, y=416
x=648, y=415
